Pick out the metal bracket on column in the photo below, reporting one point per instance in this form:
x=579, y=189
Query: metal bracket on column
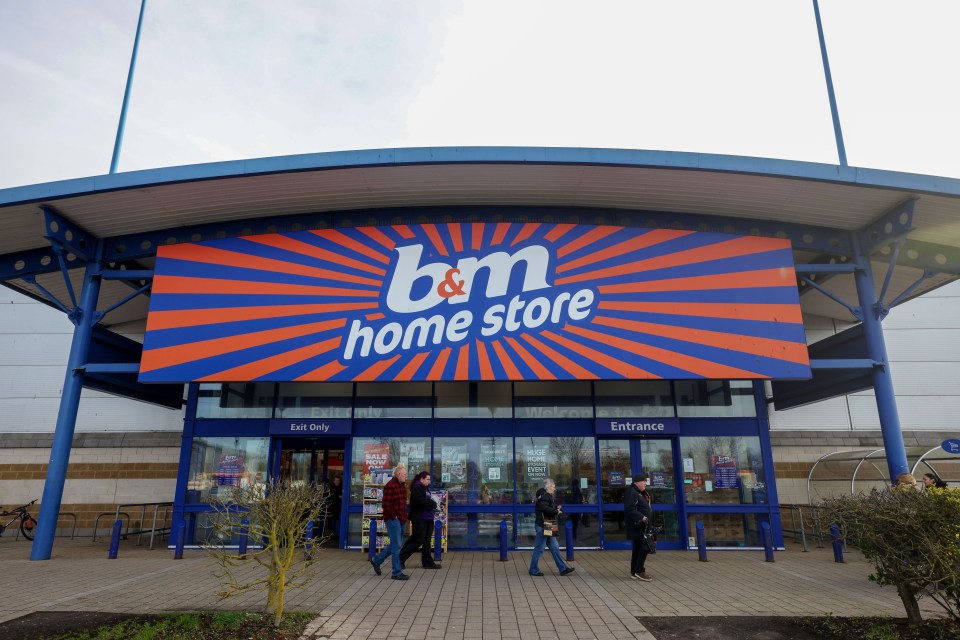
x=855, y=310
x=71, y=237
x=927, y=274
x=69, y=241
x=888, y=228
x=100, y=314
x=32, y=279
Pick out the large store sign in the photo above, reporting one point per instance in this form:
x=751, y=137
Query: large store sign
x=482, y=301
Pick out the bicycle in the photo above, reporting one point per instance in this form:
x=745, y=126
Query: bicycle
x=27, y=522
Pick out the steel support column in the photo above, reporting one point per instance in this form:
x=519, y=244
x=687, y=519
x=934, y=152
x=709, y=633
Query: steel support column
x=877, y=351
x=83, y=318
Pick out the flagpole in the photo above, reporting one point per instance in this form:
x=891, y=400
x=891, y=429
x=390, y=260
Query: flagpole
x=126, y=92
x=838, y=134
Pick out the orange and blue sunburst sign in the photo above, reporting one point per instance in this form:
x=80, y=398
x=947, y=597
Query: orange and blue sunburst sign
x=480, y=301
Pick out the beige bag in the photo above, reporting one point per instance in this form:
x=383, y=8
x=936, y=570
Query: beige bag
x=550, y=527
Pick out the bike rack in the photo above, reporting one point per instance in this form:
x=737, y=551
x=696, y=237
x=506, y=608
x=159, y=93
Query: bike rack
x=73, y=531
x=96, y=523
x=796, y=510
x=67, y=514
x=152, y=530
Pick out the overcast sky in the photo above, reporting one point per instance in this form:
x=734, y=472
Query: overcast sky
x=227, y=79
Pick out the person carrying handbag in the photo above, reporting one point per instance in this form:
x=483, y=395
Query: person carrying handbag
x=547, y=513
x=423, y=510
x=639, y=517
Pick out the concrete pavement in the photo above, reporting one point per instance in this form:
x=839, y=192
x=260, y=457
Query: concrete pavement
x=473, y=596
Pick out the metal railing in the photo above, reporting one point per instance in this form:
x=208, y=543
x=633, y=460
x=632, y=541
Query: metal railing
x=809, y=523
x=153, y=529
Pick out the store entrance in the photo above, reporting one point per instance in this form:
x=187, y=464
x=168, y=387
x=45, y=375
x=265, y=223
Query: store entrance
x=622, y=460
x=316, y=461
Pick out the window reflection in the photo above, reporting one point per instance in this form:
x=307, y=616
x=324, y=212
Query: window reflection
x=715, y=399
x=475, y=470
x=723, y=470
x=218, y=464
x=473, y=400
x=569, y=460
x=235, y=400
x=394, y=400
x=566, y=399
x=634, y=398
x=315, y=400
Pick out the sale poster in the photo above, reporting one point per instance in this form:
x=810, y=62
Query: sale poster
x=376, y=456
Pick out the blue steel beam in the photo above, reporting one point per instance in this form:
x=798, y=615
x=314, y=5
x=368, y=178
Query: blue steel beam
x=63, y=233
x=67, y=415
x=30, y=262
x=857, y=312
x=882, y=380
x=46, y=295
x=845, y=363
x=892, y=226
x=824, y=268
x=120, y=367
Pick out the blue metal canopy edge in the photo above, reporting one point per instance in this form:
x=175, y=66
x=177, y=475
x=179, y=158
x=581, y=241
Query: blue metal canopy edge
x=774, y=168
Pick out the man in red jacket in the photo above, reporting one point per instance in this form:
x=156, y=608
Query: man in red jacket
x=395, y=518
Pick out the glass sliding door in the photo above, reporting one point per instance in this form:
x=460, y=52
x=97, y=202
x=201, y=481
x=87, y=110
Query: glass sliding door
x=622, y=460
x=616, y=472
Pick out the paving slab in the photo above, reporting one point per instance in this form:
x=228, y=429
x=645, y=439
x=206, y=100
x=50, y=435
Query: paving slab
x=475, y=595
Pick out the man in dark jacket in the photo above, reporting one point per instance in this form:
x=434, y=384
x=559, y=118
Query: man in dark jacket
x=547, y=509
x=423, y=511
x=394, y=516
x=638, y=515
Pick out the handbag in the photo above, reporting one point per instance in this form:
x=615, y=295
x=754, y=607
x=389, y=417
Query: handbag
x=550, y=527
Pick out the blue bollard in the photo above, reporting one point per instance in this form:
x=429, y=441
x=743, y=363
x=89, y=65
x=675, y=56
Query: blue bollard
x=180, y=538
x=569, y=529
x=503, y=541
x=837, y=543
x=701, y=542
x=372, y=543
x=437, y=540
x=115, y=540
x=767, y=538
x=308, y=540
x=244, y=534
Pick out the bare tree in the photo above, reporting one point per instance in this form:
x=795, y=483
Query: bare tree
x=276, y=515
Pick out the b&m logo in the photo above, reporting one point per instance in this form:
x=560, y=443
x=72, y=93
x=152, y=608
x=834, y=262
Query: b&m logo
x=477, y=301
x=436, y=303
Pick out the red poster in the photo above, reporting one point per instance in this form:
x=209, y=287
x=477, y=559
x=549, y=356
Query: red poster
x=376, y=456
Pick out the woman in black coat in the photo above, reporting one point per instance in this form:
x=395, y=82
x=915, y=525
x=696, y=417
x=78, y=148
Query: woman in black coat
x=423, y=511
x=638, y=516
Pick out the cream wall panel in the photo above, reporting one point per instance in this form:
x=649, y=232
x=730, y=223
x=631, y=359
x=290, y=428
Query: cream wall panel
x=916, y=412
x=937, y=310
x=158, y=454
x=23, y=415
x=17, y=492
x=829, y=414
x=922, y=345
x=39, y=317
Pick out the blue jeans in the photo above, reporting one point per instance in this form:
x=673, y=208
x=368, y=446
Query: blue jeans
x=550, y=541
x=395, y=531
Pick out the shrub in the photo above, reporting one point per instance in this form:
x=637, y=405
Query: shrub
x=912, y=539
